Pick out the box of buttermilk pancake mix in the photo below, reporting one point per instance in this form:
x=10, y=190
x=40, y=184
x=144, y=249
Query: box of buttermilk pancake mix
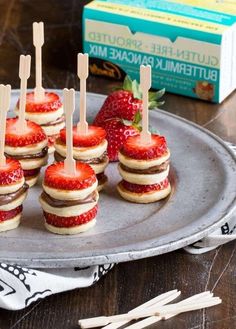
x=190, y=44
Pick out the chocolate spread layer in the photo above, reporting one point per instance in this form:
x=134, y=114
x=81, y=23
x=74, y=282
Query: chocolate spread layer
x=67, y=203
x=58, y=157
x=27, y=173
x=149, y=171
x=102, y=178
x=7, y=198
x=27, y=178
x=38, y=155
x=54, y=123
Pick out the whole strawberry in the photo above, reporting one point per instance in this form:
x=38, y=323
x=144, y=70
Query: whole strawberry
x=126, y=102
x=117, y=133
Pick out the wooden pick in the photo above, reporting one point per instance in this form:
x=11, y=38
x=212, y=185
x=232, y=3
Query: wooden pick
x=24, y=74
x=153, y=319
x=69, y=107
x=157, y=301
x=145, y=84
x=151, y=311
x=5, y=97
x=38, y=41
x=82, y=71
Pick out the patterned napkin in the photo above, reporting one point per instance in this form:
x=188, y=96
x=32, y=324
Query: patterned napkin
x=19, y=287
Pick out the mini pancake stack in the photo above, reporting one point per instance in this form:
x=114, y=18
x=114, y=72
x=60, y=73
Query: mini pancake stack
x=69, y=202
x=90, y=148
x=47, y=113
x=29, y=147
x=144, y=169
x=13, y=191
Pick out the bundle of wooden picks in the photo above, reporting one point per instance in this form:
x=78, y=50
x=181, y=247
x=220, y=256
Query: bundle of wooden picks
x=153, y=311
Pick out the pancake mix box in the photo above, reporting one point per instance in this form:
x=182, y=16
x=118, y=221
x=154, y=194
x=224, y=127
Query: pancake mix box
x=190, y=44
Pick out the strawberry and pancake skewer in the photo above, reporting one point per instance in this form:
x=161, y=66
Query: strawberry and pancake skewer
x=70, y=196
x=144, y=159
x=25, y=140
x=13, y=189
x=89, y=142
x=43, y=108
x=48, y=113
x=144, y=170
x=90, y=150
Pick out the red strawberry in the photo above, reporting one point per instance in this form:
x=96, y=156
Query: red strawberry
x=117, y=133
x=5, y=215
x=133, y=148
x=71, y=221
x=135, y=188
x=32, y=172
x=11, y=173
x=50, y=103
x=51, y=139
x=119, y=104
x=33, y=135
x=56, y=177
x=126, y=102
x=94, y=136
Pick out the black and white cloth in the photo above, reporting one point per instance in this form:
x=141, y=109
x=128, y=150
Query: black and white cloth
x=19, y=287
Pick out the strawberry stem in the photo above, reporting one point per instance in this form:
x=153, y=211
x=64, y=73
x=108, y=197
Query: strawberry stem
x=134, y=87
x=153, y=96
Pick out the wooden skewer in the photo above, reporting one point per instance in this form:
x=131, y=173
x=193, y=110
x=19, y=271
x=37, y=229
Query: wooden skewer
x=202, y=297
x=162, y=311
x=82, y=71
x=153, y=319
x=24, y=74
x=176, y=308
x=145, y=84
x=38, y=41
x=69, y=107
x=5, y=97
x=157, y=301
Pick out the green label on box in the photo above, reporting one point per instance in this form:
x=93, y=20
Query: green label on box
x=185, y=66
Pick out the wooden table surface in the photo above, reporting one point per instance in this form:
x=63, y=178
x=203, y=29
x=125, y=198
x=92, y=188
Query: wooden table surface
x=128, y=284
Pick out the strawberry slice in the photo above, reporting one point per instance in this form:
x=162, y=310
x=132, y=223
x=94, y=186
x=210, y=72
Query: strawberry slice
x=50, y=103
x=135, y=188
x=71, y=221
x=11, y=173
x=56, y=177
x=5, y=215
x=31, y=173
x=34, y=134
x=134, y=148
x=94, y=136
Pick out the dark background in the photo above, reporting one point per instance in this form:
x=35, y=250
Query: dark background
x=128, y=284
